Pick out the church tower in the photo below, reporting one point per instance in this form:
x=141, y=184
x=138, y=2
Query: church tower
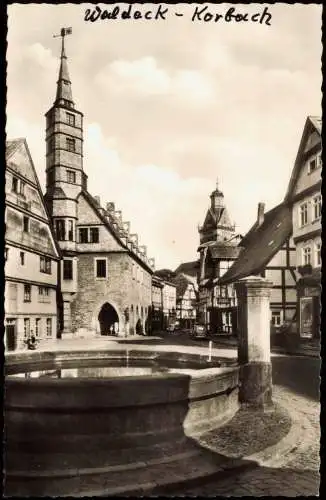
x=217, y=225
x=64, y=176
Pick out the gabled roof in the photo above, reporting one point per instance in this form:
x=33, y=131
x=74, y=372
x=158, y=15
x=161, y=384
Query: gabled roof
x=261, y=243
x=115, y=233
x=11, y=147
x=312, y=123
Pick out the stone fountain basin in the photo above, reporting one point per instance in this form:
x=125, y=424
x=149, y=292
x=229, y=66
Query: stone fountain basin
x=60, y=432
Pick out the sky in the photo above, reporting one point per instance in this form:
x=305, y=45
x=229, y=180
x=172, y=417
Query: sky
x=170, y=106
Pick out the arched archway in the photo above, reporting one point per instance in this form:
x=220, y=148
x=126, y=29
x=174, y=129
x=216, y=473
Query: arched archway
x=139, y=327
x=108, y=319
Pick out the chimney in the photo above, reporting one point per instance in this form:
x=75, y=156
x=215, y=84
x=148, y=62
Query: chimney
x=260, y=214
x=152, y=262
x=98, y=200
x=110, y=207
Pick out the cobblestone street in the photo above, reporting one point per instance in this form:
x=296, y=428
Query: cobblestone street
x=293, y=474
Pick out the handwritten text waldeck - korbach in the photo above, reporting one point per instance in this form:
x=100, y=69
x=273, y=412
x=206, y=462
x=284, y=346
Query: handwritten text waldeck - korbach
x=200, y=13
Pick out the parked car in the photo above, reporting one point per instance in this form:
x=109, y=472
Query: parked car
x=199, y=331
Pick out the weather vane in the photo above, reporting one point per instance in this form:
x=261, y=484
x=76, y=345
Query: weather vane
x=64, y=32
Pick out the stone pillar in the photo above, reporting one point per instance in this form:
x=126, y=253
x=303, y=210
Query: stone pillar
x=254, y=355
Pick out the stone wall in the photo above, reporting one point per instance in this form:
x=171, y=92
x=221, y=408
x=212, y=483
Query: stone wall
x=119, y=289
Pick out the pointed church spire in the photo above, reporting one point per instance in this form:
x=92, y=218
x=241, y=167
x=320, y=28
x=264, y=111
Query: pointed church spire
x=64, y=94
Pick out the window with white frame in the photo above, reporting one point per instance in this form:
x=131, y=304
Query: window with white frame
x=318, y=254
x=49, y=327
x=276, y=318
x=303, y=214
x=100, y=268
x=316, y=207
x=45, y=265
x=27, y=293
x=44, y=294
x=306, y=255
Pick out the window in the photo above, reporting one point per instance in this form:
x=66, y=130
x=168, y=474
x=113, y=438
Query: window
x=70, y=144
x=83, y=235
x=67, y=269
x=316, y=207
x=303, y=214
x=70, y=119
x=22, y=188
x=276, y=318
x=88, y=235
x=100, y=268
x=22, y=258
x=312, y=165
x=26, y=328
x=26, y=224
x=318, y=254
x=44, y=294
x=27, y=293
x=45, y=265
x=60, y=229
x=306, y=256
x=14, y=186
x=71, y=176
x=70, y=230
x=6, y=253
x=49, y=327
x=94, y=235
x=37, y=327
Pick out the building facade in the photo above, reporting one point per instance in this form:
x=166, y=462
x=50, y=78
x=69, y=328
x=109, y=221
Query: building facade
x=305, y=199
x=105, y=273
x=31, y=254
x=217, y=306
x=157, y=319
x=268, y=250
x=169, y=303
x=186, y=300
